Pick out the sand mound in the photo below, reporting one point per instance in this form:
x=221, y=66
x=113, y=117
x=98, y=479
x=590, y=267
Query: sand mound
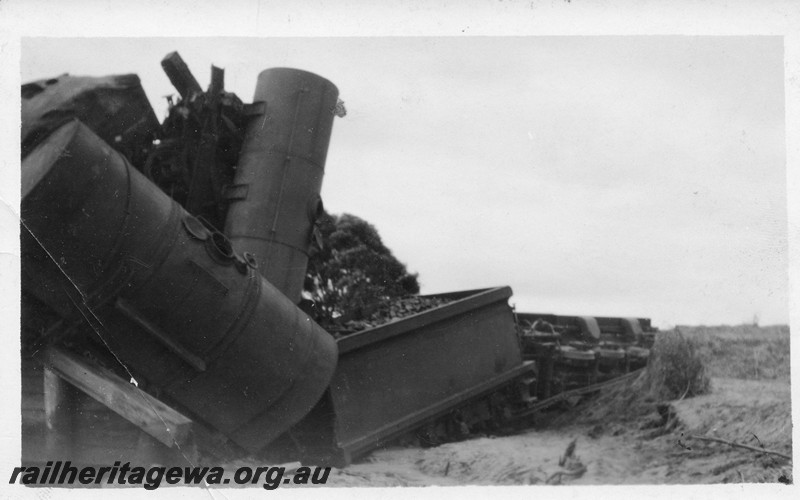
x=744, y=411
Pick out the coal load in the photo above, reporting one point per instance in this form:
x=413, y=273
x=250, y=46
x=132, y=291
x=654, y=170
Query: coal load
x=386, y=312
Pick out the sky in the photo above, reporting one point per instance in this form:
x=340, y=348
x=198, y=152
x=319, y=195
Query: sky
x=611, y=176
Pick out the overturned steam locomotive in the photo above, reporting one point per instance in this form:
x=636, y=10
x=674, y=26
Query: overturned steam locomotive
x=163, y=266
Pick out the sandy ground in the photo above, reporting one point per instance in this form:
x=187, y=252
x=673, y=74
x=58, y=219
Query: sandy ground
x=639, y=453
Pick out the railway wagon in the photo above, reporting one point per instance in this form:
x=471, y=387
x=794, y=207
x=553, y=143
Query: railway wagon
x=439, y=374
x=577, y=351
x=463, y=368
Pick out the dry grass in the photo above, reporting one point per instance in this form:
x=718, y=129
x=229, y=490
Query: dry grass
x=676, y=369
x=744, y=351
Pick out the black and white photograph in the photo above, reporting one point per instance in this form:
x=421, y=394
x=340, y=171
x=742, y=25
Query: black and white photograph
x=439, y=255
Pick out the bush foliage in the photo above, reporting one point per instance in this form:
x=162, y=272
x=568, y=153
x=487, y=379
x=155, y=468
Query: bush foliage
x=675, y=368
x=351, y=272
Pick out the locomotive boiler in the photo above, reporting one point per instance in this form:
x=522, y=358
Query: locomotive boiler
x=275, y=196
x=181, y=311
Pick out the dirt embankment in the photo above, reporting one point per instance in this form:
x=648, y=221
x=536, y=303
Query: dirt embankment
x=749, y=402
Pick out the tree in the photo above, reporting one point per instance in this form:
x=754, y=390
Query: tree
x=351, y=272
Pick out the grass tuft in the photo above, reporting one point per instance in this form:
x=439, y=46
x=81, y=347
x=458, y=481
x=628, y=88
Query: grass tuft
x=675, y=369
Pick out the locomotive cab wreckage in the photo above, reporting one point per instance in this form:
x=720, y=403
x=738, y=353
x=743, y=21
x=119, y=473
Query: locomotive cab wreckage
x=163, y=266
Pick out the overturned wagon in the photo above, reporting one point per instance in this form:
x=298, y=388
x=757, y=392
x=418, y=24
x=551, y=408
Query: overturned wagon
x=441, y=374
x=577, y=351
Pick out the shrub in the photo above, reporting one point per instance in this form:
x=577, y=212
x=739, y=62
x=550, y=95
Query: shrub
x=351, y=273
x=675, y=369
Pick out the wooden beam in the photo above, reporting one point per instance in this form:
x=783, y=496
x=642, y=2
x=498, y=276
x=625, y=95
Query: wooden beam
x=61, y=402
x=146, y=412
